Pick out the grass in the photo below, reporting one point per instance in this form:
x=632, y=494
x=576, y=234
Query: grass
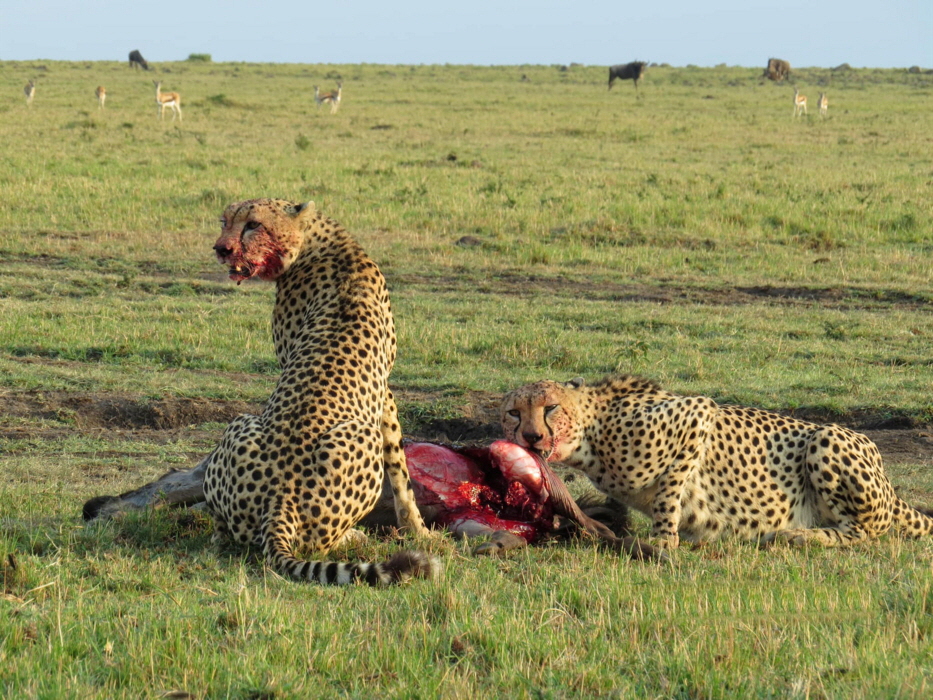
x=146, y=606
x=696, y=234
x=574, y=193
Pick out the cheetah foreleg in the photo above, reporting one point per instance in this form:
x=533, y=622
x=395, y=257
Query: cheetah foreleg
x=666, y=520
x=667, y=505
x=666, y=510
x=406, y=509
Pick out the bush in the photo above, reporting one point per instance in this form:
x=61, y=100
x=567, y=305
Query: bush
x=199, y=57
x=221, y=100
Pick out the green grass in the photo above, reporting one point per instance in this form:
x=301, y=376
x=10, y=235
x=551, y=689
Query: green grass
x=147, y=606
x=696, y=234
x=577, y=195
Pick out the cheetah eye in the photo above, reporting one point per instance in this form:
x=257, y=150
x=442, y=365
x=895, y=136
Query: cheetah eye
x=551, y=408
x=251, y=226
x=515, y=413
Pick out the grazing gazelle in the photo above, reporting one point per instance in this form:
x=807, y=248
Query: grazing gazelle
x=101, y=93
x=800, y=103
x=30, y=91
x=171, y=100
x=823, y=104
x=331, y=98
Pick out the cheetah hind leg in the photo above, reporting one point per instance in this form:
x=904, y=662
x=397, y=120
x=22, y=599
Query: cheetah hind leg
x=841, y=483
x=842, y=536
x=406, y=509
x=319, y=532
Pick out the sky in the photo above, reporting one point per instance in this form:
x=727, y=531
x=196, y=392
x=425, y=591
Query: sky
x=825, y=33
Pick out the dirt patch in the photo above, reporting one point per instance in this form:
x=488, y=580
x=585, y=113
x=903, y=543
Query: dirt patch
x=903, y=446
x=60, y=414
x=119, y=411
x=165, y=414
x=670, y=292
x=660, y=290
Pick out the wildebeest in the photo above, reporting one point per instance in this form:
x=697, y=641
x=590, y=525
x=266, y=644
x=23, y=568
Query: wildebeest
x=627, y=71
x=776, y=70
x=136, y=59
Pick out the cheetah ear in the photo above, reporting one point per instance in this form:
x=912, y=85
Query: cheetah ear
x=305, y=210
x=576, y=382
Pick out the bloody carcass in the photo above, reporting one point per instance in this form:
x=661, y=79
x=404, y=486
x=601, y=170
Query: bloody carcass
x=502, y=490
x=478, y=490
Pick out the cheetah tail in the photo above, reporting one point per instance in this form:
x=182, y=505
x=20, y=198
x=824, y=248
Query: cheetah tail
x=398, y=569
x=912, y=522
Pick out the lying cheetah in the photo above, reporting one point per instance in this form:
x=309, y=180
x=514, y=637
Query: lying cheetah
x=701, y=470
x=307, y=469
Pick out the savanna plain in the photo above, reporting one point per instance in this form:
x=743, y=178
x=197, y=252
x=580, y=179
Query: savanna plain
x=531, y=224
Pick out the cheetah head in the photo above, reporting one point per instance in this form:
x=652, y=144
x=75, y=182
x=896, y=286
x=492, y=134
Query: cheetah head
x=261, y=237
x=543, y=418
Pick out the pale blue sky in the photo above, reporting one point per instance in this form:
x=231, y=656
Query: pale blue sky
x=736, y=32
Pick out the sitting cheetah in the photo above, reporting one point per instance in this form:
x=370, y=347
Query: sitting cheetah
x=701, y=471
x=302, y=473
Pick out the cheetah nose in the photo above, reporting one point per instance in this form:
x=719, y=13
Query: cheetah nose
x=532, y=438
x=222, y=250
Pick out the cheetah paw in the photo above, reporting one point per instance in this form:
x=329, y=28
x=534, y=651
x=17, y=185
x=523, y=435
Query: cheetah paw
x=794, y=538
x=500, y=542
x=352, y=537
x=669, y=541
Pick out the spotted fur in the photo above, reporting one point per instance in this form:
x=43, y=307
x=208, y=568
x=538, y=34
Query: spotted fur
x=301, y=474
x=702, y=471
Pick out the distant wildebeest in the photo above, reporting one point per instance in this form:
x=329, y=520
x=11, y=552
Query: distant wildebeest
x=627, y=71
x=136, y=59
x=777, y=69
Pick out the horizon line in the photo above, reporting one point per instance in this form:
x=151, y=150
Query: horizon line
x=573, y=64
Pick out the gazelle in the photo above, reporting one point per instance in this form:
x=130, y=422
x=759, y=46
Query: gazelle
x=331, y=98
x=800, y=103
x=823, y=104
x=101, y=93
x=171, y=100
x=30, y=91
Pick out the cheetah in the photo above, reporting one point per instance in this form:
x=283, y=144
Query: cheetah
x=702, y=471
x=305, y=471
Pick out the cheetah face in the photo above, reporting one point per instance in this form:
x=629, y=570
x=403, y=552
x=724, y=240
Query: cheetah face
x=260, y=238
x=541, y=417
